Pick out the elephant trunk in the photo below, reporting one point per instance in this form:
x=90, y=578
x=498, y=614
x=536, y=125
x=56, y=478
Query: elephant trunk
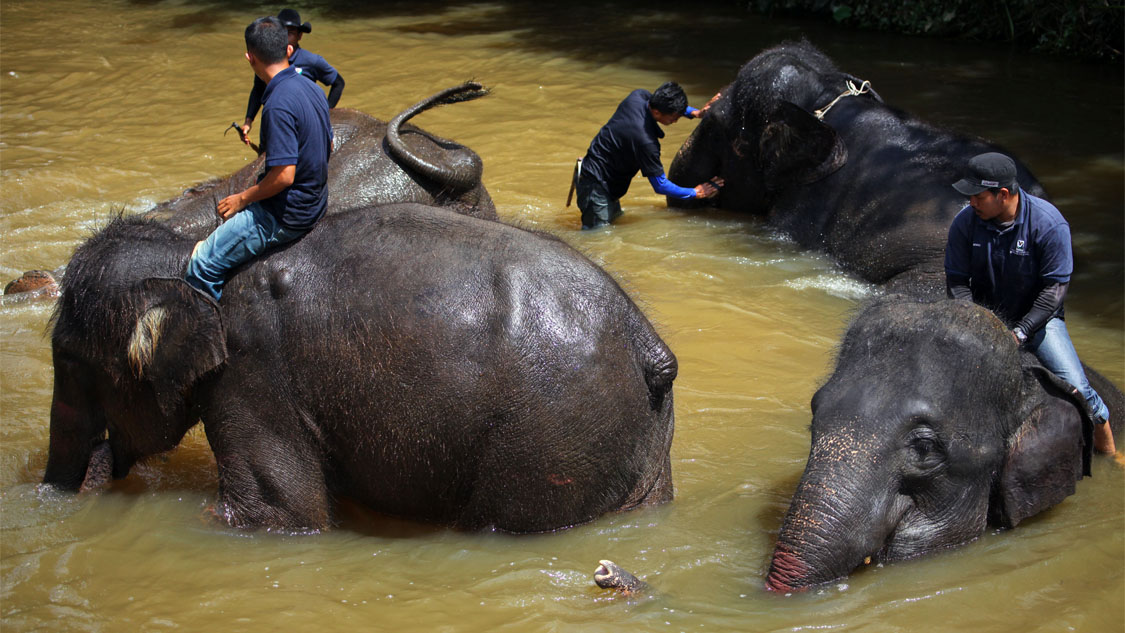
x=460, y=168
x=75, y=434
x=834, y=523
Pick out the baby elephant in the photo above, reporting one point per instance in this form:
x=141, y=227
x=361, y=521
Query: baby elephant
x=424, y=363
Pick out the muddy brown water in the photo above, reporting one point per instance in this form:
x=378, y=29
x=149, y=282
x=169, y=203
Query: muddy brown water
x=118, y=105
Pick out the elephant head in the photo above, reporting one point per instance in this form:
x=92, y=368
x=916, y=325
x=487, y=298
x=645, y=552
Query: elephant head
x=762, y=135
x=930, y=426
x=128, y=346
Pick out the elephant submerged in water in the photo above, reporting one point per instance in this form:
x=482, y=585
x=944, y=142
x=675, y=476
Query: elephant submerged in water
x=868, y=184
x=933, y=424
x=423, y=363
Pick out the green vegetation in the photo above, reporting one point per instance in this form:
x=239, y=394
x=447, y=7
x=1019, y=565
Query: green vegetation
x=1092, y=29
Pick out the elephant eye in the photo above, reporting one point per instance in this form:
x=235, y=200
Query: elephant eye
x=925, y=446
x=922, y=446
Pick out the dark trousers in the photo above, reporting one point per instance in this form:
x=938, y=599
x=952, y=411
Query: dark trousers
x=598, y=209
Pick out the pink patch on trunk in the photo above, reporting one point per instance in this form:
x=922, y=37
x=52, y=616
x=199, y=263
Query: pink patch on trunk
x=785, y=569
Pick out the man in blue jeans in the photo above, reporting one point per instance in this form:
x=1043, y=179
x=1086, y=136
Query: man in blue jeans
x=296, y=137
x=1010, y=251
x=630, y=142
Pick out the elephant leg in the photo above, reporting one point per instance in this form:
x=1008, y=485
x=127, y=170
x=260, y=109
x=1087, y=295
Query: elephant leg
x=271, y=473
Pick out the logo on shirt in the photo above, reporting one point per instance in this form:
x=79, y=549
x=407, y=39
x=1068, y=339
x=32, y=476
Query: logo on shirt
x=299, y=69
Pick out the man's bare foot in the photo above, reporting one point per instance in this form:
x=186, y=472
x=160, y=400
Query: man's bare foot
x=1103, y=439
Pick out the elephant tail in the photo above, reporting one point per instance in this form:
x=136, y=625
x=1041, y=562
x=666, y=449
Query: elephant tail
x=456, y=168
x=659, y=363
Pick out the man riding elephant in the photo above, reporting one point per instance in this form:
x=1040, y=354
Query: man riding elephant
x=296, y=137
x=1010, y=251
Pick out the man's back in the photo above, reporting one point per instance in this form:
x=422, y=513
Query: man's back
x=296, y=130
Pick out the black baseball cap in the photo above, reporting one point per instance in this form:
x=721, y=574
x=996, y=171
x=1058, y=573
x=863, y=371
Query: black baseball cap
x=290, y=18
x=987, y=171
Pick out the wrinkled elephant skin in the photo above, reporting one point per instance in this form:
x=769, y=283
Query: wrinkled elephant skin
x=424, y=363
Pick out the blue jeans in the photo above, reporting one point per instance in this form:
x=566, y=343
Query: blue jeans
x=1051, y=344
x=249, y=233
x=597, y=207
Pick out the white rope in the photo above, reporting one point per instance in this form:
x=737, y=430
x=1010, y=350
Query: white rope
x=852, y=91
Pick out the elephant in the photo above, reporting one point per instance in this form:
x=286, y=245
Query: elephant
x=423, y=363
x=372, y=163
x=933, y=425
x=868, y=184
x=610, y=575
x=33, y=284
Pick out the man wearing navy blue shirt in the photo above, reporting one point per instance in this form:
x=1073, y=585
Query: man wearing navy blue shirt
x=1010, y=251
x=296, y=137
x=630, y=142
x=307, y=64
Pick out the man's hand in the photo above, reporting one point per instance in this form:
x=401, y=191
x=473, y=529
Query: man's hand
x=230, y=205
x=708, y=189
x=246, y=126
x=704, y=109
x=276, y=180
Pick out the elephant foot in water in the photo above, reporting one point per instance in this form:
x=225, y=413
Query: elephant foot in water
x=609, y=576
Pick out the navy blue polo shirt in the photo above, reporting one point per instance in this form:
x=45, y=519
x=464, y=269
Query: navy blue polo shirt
x=1006, y=267
x=629, y=142
x=313, y=66
x=307, y=64
x=296, y=131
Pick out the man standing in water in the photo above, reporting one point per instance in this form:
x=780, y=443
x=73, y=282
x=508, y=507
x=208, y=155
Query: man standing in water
x=308, y=65
x=630, y=142
x=296, y=137
x=1010, y=251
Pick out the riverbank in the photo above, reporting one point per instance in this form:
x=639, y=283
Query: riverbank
x=1090, y=30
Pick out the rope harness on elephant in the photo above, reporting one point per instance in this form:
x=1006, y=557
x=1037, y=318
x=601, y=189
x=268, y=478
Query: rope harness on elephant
x=852, y=91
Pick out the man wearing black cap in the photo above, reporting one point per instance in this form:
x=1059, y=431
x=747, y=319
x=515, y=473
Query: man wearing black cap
x=1010, y=251
x=307, y=64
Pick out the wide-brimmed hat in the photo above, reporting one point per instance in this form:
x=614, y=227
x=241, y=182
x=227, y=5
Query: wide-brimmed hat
x=290, y=18
x=987, y=171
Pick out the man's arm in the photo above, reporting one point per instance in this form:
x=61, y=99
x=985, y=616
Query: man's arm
x=1046, y=303
x=253, y=104
x=1055, y=267
x=335, y=91
x=665, y=187
x=276, y=180
x=958, y=259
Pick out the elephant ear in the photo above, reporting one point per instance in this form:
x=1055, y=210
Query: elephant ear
x=178, y=337
x=796, y=148
x=1049, y=451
